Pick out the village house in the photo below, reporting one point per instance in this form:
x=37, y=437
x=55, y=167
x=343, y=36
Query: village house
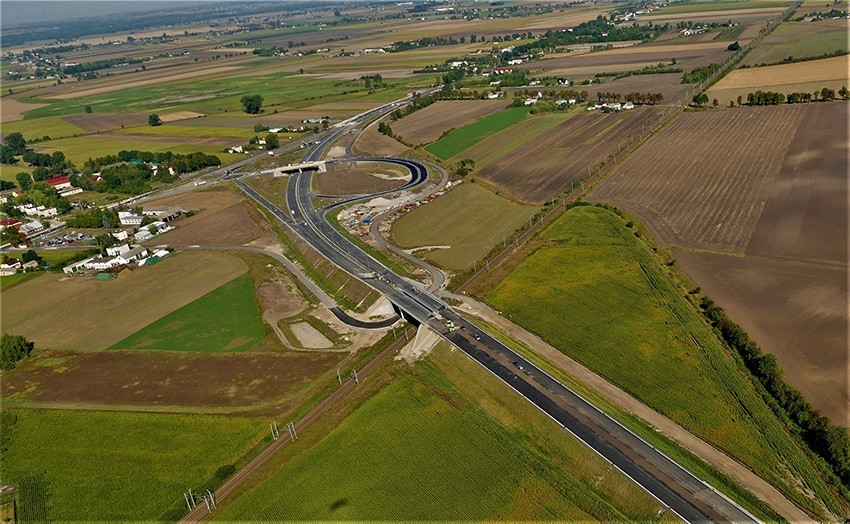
x=129, y=218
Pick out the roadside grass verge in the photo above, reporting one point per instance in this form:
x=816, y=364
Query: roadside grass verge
x=421, y=448
x=226, y=319
x=593, y=290
x=95, y=466
x=462, y=138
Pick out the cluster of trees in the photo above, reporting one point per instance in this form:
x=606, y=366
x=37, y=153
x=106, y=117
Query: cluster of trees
x=635, y=97
x=154, y=120
x=826, y=439
x=98, y=64
x=180, y=162
x=13, y=145
x=130, y=179
x=416, y=104
x=767, y=98
x=700, y=74
x=13, y=349
x=597, y=30
x=252, y=104
x=465, y=166
x=269, y=51
x=427, y=41
x=370, y=81
x=384, y=128
x=93, y=218
x=37, y=194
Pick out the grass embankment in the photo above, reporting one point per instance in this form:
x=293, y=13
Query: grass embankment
x=595, y=292
x=467, y=136
x=469, y=219
x=422, y=449
x=225, y=319
x=109, y=466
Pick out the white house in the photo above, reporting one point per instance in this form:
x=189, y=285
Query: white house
x=69, y=270
x=128, y=218
x=124, y=234
x=32, y=227
x=133, y=254
x=114, y=251
x=10, y=267
x=628, y=105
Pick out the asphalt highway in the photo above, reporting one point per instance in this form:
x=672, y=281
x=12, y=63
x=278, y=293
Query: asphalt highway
x=676, y=488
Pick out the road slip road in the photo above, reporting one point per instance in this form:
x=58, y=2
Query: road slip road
x=679, y=490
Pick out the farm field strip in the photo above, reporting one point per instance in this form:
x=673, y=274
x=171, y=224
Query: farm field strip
x=799, y=40
x=462, y=138
x=541, y=170
x=428, y=124
x=719, y=208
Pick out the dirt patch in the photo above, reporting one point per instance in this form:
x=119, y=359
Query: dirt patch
x=373, y=143
x=356, y=178
x=796, y=311
x=310, y=337
x=97, y=122
x=179, y=115
x=544, y=168
x=11, y=109
x=107, y=312
x=185, y=381
x=428, y=124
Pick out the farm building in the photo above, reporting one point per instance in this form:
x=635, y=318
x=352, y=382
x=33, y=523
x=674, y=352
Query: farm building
x=32, y=227
x=58, y=182
x=10, y=223
x=128, y=218
x=9, y=267
x=165, y=214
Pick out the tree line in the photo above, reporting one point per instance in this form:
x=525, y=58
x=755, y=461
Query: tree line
x=700, y=74
x=13, y=349
x=592, y=31
x=768, y=98
x=829, y=441
x=98, y=64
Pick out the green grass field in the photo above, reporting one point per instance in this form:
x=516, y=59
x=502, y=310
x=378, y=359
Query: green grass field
x=169, y=130
x=470, y=219
x=51, y=126
x=730, y=33
x=8, y=172
x=112, y=466
x=80, y=149
x=421, y=450
x=799, y=40
x=462, y=138
x=225, y=319
x=595, y=292
x=719, y=5
x=8, y=281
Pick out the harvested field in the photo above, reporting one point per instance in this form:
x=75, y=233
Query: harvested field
x=223, y=218
x=794, y=310
x=458, y=140
x=707, y=201
x=169, y=76
x=149, y=294
x=184, y=381
x=362, y=177
x=11, y=109
x=97, y=122
x=284, y=118
x=466, y=223
x=428, y=124
x=179, y=115
x=158, y=138
x=777, y=194
x=498, y=145
x=800, y=40
x=544, y=169
x=786, y=78
x=688, y=56
x=373, y=143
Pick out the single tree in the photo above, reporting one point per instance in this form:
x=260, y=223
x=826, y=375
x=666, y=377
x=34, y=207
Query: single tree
x=252, y=104
x=7, y=155
x=16, y=142
x=154, y=120
x=88, y=109
x=13, y=348
x=24, y=180
x=272, y=141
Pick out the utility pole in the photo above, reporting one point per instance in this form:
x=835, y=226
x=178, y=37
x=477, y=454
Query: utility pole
x=356, y=378
x=212, y=498
x=339, y=376
x=292, y=433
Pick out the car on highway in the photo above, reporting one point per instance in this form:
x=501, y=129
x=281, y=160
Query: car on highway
x=519, y=366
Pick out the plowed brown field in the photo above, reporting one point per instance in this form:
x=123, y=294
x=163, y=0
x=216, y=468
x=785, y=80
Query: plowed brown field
x=373, y=143
x=545, y=167
x=363, y=177
x=428, y=124
x=770, y=186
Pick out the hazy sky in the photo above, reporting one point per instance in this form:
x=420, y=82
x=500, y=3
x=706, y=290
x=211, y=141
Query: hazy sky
x=18, y=12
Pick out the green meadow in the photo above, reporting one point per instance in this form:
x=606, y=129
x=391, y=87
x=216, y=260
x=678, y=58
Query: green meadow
x=594, y=291
x=113, y=466
x=226, y=319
